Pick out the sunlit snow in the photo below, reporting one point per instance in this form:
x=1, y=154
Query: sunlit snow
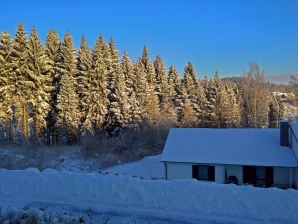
x=112, y=197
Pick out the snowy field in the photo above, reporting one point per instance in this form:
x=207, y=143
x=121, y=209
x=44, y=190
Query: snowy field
x=136, y=193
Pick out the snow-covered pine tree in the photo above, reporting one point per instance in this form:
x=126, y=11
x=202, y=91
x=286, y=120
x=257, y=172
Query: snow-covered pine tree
x=276, y=111
x=127, y=69
x=161, y=81
x=120, y=107
x=117, y=90
x=38, y=71
x=151, y=109
x=113, y=56
x=98, y=51
x=22, y=80
x=189, y=118
x=195, y=92
x=214, y=101
x=175, y=89
x=7, y=87
x=84, y=76
x=190, y=79
x=99, y=93
x=140, y=89
x=146, y=62
x=148, y=67
x=223, y=108
x=52, y=51
x=201, y=104
x=234, y=114
x=146, y=100
x=68, y=119
x=205, y=84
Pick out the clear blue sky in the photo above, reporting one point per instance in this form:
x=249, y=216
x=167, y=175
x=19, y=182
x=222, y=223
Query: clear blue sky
x=223, y=35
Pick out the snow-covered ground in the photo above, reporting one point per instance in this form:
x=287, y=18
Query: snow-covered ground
x=134, y=193
x=148, y=168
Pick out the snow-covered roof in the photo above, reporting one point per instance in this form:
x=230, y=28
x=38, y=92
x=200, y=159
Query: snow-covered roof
x=256, y=147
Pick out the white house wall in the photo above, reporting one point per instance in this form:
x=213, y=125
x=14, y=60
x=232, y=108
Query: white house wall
x=219, y=174
x=282, y=176
x=178, y=170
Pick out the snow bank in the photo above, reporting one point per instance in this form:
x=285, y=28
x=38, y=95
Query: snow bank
x=188, y=200
x=148, y=168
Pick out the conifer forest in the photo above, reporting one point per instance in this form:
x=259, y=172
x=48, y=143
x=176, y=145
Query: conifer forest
x=56, y=93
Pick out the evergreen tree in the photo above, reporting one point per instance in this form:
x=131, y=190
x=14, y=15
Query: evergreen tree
x=68, y=101
x=233, y=112
x=119, y=104
x=24, y=83
x=175, y=91
x=99, y=51
x=145, y=60
x=168, y=115
x=140, y=89
x=146, y=102
x=190, y=79
x=219, y=103
x=52, y=51
x=276, y=111
x=41, y=89
x=195, y=91
x=127, y=69
x=161, y=81
x=7, y=87
x=151, y=109
x=99, y=93
x=189, y=118
x=113, y=56
x=84, y=76
x=116, y=87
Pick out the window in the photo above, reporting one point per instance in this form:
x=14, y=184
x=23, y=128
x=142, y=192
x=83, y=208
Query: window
x=260, y=176
x=203, y=172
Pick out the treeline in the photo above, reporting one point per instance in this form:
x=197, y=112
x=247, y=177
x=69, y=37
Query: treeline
x=57, y=93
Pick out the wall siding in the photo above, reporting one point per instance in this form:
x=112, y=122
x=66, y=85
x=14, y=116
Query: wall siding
x=282, y=176
x=179, y=170
x=219, y=174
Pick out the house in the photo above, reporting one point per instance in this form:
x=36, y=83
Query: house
x=260, y=157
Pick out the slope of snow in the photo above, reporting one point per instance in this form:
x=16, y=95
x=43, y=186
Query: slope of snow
x=148, y=168
x=129, y=198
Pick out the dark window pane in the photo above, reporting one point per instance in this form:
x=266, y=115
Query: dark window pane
x=204, y=172
x=211, y=172
x=195, y=171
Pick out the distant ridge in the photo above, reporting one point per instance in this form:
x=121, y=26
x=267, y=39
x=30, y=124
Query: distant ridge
x=280, y=79
x=276, y=79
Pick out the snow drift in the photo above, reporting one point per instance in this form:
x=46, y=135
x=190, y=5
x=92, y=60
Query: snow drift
x=180, y=200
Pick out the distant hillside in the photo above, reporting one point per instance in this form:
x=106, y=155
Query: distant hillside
x=280, y=79
x=276, y=79
x=236, y=79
